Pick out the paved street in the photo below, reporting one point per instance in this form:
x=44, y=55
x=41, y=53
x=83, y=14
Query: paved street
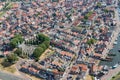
x=111, y=73
x=6, y=76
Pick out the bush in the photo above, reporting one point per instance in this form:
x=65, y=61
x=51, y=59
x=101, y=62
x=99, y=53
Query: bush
x=12, y=58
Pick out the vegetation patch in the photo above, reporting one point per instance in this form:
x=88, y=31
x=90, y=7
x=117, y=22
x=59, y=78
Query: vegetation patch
x=42, y=42
x=17, y=39
x=88, y=15
x=91, y=41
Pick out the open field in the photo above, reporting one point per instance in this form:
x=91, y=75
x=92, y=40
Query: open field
x=47, y=53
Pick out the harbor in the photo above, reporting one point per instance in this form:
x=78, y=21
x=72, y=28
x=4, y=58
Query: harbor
x=116, y=55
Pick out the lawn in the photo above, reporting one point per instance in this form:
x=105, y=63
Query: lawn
x=117, y=77
x=2, y=13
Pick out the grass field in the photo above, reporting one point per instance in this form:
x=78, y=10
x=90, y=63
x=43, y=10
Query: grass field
x=117, y=77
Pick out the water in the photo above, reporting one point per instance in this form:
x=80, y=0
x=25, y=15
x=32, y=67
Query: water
x=116, y=58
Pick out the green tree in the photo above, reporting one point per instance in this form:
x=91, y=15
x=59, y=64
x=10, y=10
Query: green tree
x=38, y=52
x=19, y=37
x=43, y=46
x=16, y=39
x=86, y=17
x=91, y=41
x=12, y=58
x=18, y=51
x=47, y=43
x=14, y=43
x=40, y=37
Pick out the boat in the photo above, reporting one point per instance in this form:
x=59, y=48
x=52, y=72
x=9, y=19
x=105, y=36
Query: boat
x=111, y=54
x=118, y=50
x=109, y=59
x=115, y=43
x=113, y=67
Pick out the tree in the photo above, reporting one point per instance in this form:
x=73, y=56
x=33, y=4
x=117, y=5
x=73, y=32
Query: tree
x=47, y=43
x=16, y=39
x=38, y=52
x=86, y=17
x=12, y=58
x=14, y=43
x=40, y=37
x=18, y=51
x=91, y=41
x=19, y=37
x=43, y=46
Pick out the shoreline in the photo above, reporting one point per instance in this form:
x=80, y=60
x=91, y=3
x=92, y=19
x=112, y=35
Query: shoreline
x=114, y=36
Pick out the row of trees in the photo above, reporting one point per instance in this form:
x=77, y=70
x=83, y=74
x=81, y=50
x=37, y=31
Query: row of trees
x=44, y=43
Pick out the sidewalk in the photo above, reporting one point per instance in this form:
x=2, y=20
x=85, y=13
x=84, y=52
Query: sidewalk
x=111, y=73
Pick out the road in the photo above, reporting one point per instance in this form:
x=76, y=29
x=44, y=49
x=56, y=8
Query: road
x=111, y=73
x=8, y=76
x=66, y=73
x=18, y=67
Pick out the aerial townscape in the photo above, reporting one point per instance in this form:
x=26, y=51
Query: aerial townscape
x=59, y=39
